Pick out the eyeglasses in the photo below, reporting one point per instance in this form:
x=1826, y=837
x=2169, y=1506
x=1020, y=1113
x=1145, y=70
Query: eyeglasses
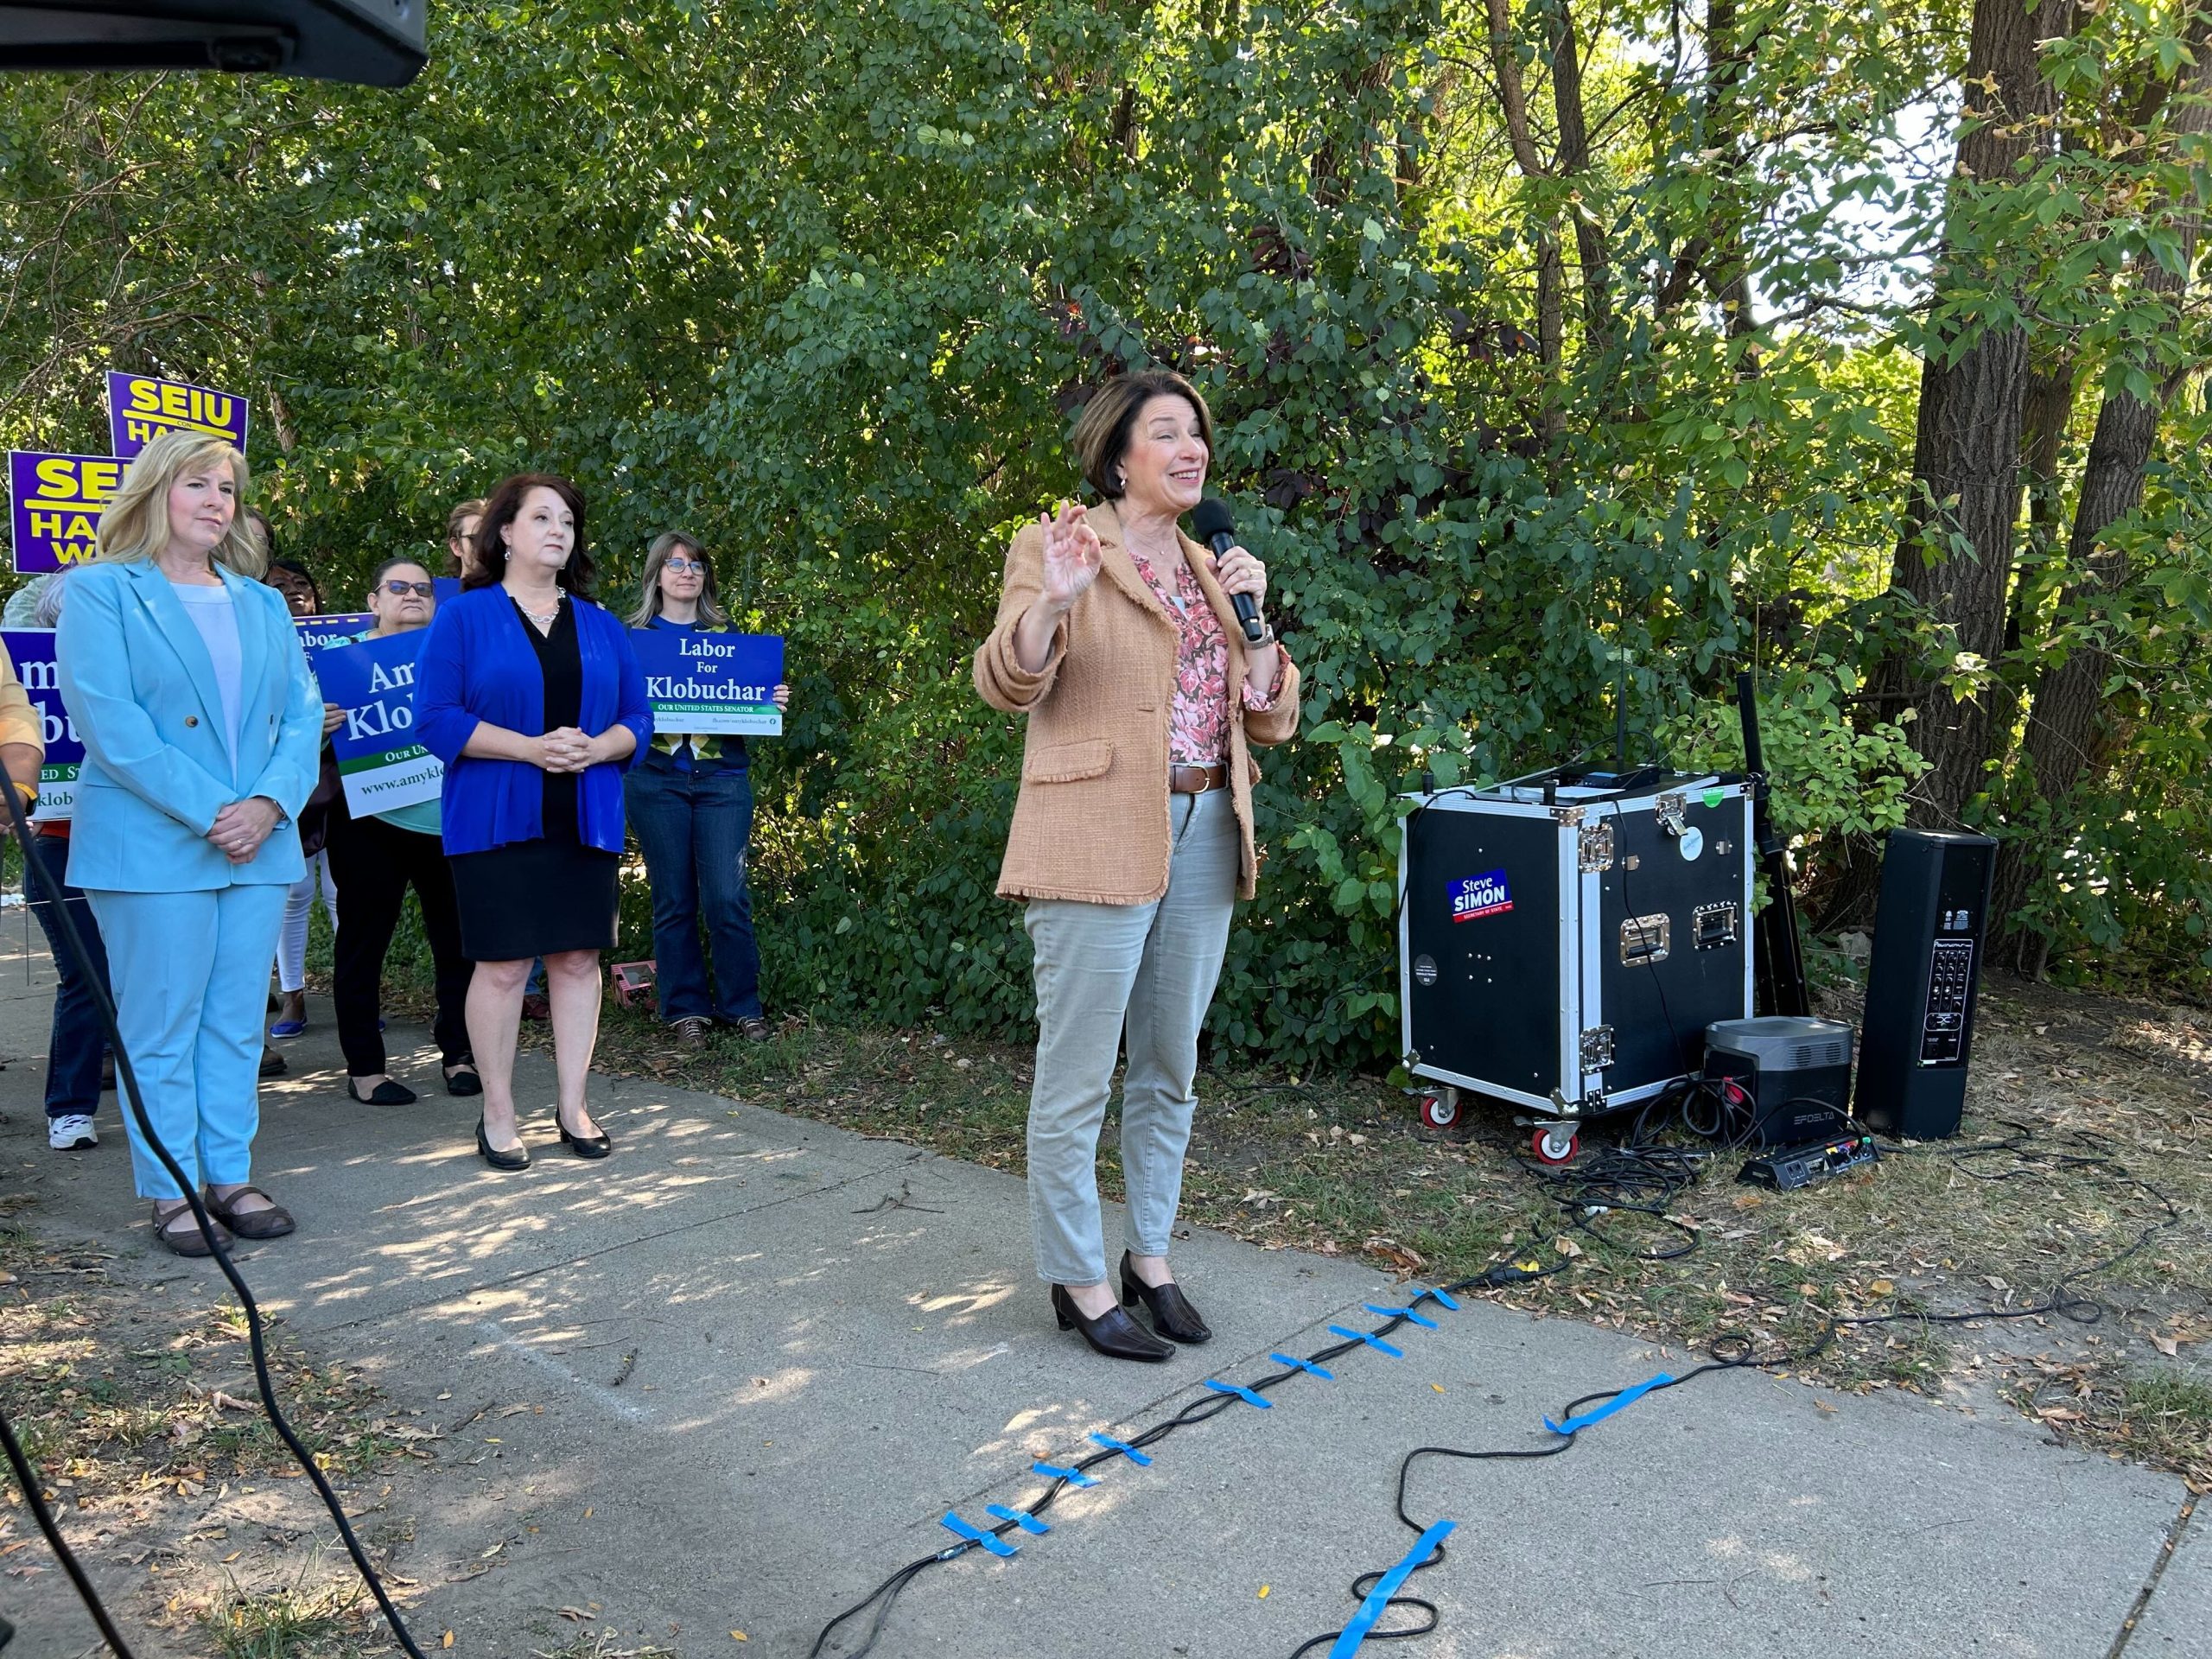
x=399, y=590
x=686, y=567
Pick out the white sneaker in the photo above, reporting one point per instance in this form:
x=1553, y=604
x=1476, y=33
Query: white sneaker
x=71, y=1134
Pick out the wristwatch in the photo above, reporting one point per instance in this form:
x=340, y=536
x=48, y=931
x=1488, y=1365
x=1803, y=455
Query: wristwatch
x=1267, y=636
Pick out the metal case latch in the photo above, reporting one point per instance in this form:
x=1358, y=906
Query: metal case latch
x=1597, y=1048
x=1672, y=811
x=1646, y=939
x=1594, y=846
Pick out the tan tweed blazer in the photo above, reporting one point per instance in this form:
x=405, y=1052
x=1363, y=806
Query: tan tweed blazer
x=1091, y=820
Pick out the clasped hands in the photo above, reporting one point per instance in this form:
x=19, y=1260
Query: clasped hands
x=240, y=827
x=567, y=749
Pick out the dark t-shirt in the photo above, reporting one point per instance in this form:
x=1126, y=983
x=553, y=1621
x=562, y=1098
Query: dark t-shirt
x=560, y=660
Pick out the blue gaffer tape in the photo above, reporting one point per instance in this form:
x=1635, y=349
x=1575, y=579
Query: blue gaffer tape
x=1240, y=1392
x=1443, y=1296
x=1400, y=1313
x=1353, y=1634
x=1302, y=1366
x=1141, y=1458
x=976, y=1534
x=1625, y=1397
x=1028, y=1522
x=1371, y=1340
x=1073, y=1476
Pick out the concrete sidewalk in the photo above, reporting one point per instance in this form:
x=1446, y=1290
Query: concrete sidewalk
x=771, y=1355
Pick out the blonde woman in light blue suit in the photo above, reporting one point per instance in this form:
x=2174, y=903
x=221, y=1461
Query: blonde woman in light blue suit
x=202, y=727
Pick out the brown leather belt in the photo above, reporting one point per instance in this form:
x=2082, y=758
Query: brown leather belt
x=1196, y=780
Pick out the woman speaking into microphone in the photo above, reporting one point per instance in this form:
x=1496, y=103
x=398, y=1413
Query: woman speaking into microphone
x=1132, y=833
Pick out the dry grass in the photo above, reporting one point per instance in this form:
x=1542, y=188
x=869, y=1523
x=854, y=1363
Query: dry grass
x=139, y=1411
x=2095, y=1103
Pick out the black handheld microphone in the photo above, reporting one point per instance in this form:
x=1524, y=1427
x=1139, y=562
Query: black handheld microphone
x=1211, y=522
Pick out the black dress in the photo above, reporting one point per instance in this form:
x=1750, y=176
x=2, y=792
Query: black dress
x=533, y=898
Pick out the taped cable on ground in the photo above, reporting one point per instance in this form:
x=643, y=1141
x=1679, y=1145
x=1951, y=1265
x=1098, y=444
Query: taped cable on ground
x=880, y=1600
x=35, y=868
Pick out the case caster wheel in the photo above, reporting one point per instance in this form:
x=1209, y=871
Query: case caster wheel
x=1555, y=1143
x=1439, y=1108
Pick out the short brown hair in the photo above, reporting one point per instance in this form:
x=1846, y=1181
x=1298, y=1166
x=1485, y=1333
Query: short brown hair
x=462, y=513
x=488, y=556
x=1102, y=431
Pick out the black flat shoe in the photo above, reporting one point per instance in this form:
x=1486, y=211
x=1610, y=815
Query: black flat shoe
x=1113, y=1334
x=462, y=1079
x=518, y=1159
x=387, y=1093
x=1172, y=1312
x=593, y=1146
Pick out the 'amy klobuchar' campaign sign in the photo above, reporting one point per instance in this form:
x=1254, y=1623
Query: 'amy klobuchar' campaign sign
x=711, y=683
x=141, y=408
x=379, y=761
x=31, y=650
x=55, y=504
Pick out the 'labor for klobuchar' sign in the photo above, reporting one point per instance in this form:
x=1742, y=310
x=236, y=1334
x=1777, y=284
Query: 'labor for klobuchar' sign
x=54, y=505
x=140, y=408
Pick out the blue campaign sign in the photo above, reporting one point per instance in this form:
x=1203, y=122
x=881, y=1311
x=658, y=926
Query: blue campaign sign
x=378, y=759
x=31, y=650
x=711, y=683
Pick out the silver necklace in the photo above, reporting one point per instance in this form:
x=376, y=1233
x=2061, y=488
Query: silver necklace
x=542, y=621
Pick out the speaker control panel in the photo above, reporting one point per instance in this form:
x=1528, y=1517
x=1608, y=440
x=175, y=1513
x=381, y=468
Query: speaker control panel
x=1950, y=983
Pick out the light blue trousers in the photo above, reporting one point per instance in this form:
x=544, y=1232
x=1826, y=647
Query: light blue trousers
x=191, y=978
x=1101, y=971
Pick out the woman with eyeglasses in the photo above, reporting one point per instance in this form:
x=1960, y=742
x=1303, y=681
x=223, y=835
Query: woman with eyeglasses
x=689, y=797
x=375, y=860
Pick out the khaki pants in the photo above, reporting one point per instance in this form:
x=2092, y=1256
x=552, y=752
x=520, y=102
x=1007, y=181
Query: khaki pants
x=1103, y=969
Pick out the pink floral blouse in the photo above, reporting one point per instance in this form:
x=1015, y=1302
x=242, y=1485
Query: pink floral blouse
x=1197, y=714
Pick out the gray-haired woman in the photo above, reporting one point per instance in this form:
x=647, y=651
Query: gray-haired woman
x=689, y=797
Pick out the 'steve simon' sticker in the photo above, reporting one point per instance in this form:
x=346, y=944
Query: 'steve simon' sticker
x=1476, y=896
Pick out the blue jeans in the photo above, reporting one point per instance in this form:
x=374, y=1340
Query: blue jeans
x=74, y=1051
x=693, y=828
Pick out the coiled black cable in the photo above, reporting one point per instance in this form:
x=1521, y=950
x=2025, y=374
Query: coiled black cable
x=34, y=866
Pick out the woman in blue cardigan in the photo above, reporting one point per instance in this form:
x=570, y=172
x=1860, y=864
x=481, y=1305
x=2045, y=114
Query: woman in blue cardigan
x=201, y=728
x=531, y=695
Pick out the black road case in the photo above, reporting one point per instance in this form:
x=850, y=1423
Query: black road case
x=1563, y=946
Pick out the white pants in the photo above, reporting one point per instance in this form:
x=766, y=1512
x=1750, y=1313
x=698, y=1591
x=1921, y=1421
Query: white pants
x=299, y=900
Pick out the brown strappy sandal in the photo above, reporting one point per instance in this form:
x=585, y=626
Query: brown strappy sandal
x=273, y=1223
x=188, y=1240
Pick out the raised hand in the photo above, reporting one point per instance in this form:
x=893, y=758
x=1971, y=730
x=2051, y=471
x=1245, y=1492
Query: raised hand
x=1071, y=555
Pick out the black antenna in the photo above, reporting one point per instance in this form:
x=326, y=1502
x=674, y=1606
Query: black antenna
x=1620, y=695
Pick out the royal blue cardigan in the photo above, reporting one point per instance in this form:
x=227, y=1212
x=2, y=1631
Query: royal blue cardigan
x=478, y=665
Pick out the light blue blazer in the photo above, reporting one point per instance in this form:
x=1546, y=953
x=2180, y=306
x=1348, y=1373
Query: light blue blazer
x=140, y=686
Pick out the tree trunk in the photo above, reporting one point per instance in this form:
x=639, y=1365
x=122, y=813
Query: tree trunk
x=1574, y=163
x=2068, y=735
x=1956, y=556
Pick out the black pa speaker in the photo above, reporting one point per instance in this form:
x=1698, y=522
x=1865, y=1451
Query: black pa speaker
x=369, y=42
x=1929, y=930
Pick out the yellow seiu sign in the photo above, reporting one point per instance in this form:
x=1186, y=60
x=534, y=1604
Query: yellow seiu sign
x=141, y=407
x=54, y=505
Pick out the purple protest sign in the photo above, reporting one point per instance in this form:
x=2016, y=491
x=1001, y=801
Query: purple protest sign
x=140, y=408
x=54, y=505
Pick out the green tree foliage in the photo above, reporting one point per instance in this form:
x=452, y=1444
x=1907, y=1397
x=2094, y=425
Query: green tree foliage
x=1553, y=350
